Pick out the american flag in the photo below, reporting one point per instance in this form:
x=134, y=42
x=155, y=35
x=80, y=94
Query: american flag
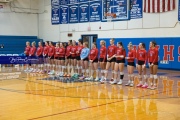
x=158, y=6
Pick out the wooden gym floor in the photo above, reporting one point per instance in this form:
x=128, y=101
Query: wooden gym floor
x=39, y=97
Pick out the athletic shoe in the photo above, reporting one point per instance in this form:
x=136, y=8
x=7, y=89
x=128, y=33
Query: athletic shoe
x=131, y=84
x=50, y=72
x=41, y=72
x=128, y=84
x=103, y=81
x=97, y=79
x=37, y=71
x=26, y=70
x=149, y=87
x=120, y=82
x=34, y=71
x=82, y=77
x=139, y=85
x=153, y=87
x=113, y=82
x=145, y=86
x=30, y=70
x=68, y=75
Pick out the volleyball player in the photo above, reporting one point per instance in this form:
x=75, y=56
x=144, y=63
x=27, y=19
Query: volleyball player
x=141, y=65
x=93, y=59
x=110, y=60
x=45, y=56
x=130, y=67
x=153, y=64
x=68, y=59
x=102, y=58
x=119, y=65
x=62, y=59
x=73, y=58
x=84, y=60
x=56, y=59
x=39, y=54
x=51, y=58
x=32, y=54
x=78, y=58
x=26, y=52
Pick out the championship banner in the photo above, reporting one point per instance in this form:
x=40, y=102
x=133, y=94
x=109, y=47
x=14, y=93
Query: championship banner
x=120, y=9
x=73, y=14
x=19, y=60
x=84, y=12
x=85, y=1
x=73, y=2
x=64, y=2
x=55, y=15
x=55, y=2
x=95, y=11
x=136, y=9
x=64, y=10
x=179, y=11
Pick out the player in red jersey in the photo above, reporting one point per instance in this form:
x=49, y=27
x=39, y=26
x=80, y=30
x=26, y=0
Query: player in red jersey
x=56, y=59
x=102, y=58
x=78, y=58
x=39, y=54
x=130, y=67
x=26, y=52
x=119, y=65
x=32, y=54
x=73, y=58
x=62, y=59
x=51, y=58
x=141, y=65
x=153, y=64
x=93, y=59
x=68, y=58
x=45, y=55
x=111, y=51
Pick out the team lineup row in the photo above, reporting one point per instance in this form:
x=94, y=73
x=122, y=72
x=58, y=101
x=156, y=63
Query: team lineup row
x=56, y=59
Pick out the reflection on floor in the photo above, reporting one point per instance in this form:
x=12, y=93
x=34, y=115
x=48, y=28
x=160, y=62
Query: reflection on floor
x=39, y=97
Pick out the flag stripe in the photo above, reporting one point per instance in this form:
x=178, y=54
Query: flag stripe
x=149, y=6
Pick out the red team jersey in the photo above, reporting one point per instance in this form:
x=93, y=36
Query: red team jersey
x=51, y=51
x=27, y=50
x=120, y=51
x=141, y=55
x=103, y=53
x=56, y=54
x=111, y=51
x=79, y=49
x=62, y=52
x=68, y=50
x=46, y=49
x=153, y=55
x=93, y=54
x=131, y=55
x=39, y=51
x=73, y=50
x=32, y=51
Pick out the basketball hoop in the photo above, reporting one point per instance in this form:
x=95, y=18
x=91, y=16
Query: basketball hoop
x=110, y=16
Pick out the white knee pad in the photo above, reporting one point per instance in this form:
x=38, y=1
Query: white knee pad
x=145, y=76
x=121, y=73
x=151, y=76
x=155, y=76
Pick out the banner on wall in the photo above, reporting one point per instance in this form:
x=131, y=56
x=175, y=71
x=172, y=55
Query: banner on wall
x=64, y=10
x=136, y=9
x=64, y=2
x=55, y=15
x=73, y=14
x=84, y=12
x=179, y=11
x=55, y=2
x=73, y=2
x=85, y=1
x=95, y=11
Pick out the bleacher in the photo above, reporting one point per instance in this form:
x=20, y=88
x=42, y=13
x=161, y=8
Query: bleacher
x=15, y=44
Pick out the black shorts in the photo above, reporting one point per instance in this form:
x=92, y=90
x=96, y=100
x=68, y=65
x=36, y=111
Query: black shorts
x=56, y=58
x=120, y=61
x=69, y=57
x=73, y=57
x=45, y=56
x=41, y=56
x=52, y=57
x=141, y=62
x=78, y=58
x=95, y=61
x=86, y=59
x=61, y=58
x=131, y=64
x=102, y=60
x=112, y=60
x=156, y=63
